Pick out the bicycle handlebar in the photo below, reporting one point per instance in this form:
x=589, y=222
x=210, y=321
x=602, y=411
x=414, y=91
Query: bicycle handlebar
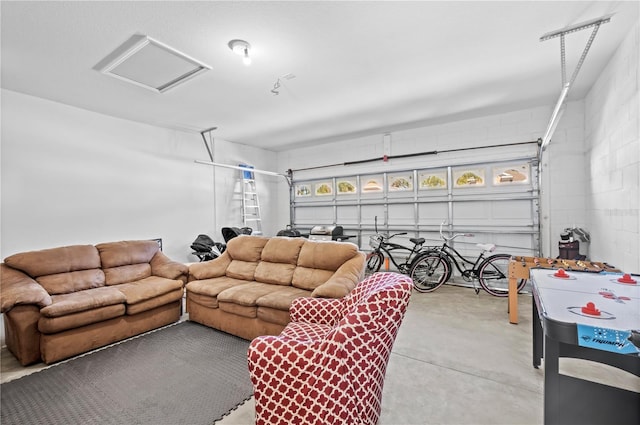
x=385, y=237
x=455, y=235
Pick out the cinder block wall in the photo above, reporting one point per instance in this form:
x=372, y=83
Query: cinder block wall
x=564, y=171
x=612, y=139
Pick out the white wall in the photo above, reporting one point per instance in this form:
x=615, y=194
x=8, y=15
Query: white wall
x=70, y=176
x=561, y=172
x=612, y=126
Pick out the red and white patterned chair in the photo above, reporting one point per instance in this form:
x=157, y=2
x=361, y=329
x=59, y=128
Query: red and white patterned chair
x=328, y=364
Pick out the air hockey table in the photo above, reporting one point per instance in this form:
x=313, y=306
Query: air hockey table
x=592, y=316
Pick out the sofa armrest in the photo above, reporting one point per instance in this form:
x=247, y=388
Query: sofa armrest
x=17, y=288
x=163, y=266
x=323, y=311
x=210, y=269
x=343, y=280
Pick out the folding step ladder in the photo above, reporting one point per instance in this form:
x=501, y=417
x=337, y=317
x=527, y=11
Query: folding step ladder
x=250, y=204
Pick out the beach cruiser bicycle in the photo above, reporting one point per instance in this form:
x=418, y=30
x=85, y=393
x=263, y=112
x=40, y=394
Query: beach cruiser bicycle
x=433, y=268
x=381, y=245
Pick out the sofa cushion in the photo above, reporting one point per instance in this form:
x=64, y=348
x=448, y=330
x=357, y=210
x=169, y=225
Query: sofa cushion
x=126, y=274
x=55, y=260
x=337, y=288
x=239, y=269
x=203, y=300
x=274, y=306
x=65, y=283
x=205, y=292
x=147, y=288
x=271, y=315
x=88, y=299
x=246, y=247
x=239, y=310
x=246, y=295
x=326, y=255
x=280, y=298
x=310, y=278
x=50, y=325
x=212, y=287
x=274, y=273
x=245, y=252
x=155, y=302
x=114, y=254
x=318, y=261
x=282, y=250
x=278, y=261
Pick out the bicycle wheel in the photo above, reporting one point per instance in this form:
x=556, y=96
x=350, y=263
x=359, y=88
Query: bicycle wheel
x=493, y=275
x=374, y=262
x=429, y=272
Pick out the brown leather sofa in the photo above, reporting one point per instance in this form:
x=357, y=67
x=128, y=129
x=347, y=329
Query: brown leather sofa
x=64, y=301
x=247, y=291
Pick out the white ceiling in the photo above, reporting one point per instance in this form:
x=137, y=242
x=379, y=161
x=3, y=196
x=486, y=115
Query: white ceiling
x=361, y=67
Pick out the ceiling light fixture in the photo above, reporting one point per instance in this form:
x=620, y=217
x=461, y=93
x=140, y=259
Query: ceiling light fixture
x=241, y=47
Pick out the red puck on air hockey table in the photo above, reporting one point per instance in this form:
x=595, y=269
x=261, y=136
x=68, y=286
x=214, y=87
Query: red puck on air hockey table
x=626, y=278
x=591, y=309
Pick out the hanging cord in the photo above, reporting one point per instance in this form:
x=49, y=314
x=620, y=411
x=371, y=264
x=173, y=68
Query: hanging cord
x=276, y=86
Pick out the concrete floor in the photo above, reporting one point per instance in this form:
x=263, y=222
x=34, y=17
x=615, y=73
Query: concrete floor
x=456, y=360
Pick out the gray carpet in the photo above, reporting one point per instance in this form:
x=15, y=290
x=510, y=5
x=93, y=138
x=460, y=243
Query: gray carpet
x=182, y=374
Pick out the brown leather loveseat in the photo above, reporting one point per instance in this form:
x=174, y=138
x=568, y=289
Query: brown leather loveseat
x=64, y=301
x=248, y=290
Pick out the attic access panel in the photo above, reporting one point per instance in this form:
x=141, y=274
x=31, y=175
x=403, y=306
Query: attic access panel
x=148, y=63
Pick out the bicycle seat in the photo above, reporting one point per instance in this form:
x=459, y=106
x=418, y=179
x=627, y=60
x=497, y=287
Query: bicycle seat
x=417, y=241
x=486, y=247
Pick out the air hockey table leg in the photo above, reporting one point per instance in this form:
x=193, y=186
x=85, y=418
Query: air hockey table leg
x=553, y=398
x=538, y=335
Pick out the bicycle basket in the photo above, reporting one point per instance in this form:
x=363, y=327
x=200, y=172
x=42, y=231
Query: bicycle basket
x=374, y=241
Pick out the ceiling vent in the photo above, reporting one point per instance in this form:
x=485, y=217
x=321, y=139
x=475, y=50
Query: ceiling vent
x=147, y=63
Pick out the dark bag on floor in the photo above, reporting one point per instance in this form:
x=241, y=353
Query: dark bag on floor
x=289, y=231
x=203, y=243
x=206, y=249
x=229, y=233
